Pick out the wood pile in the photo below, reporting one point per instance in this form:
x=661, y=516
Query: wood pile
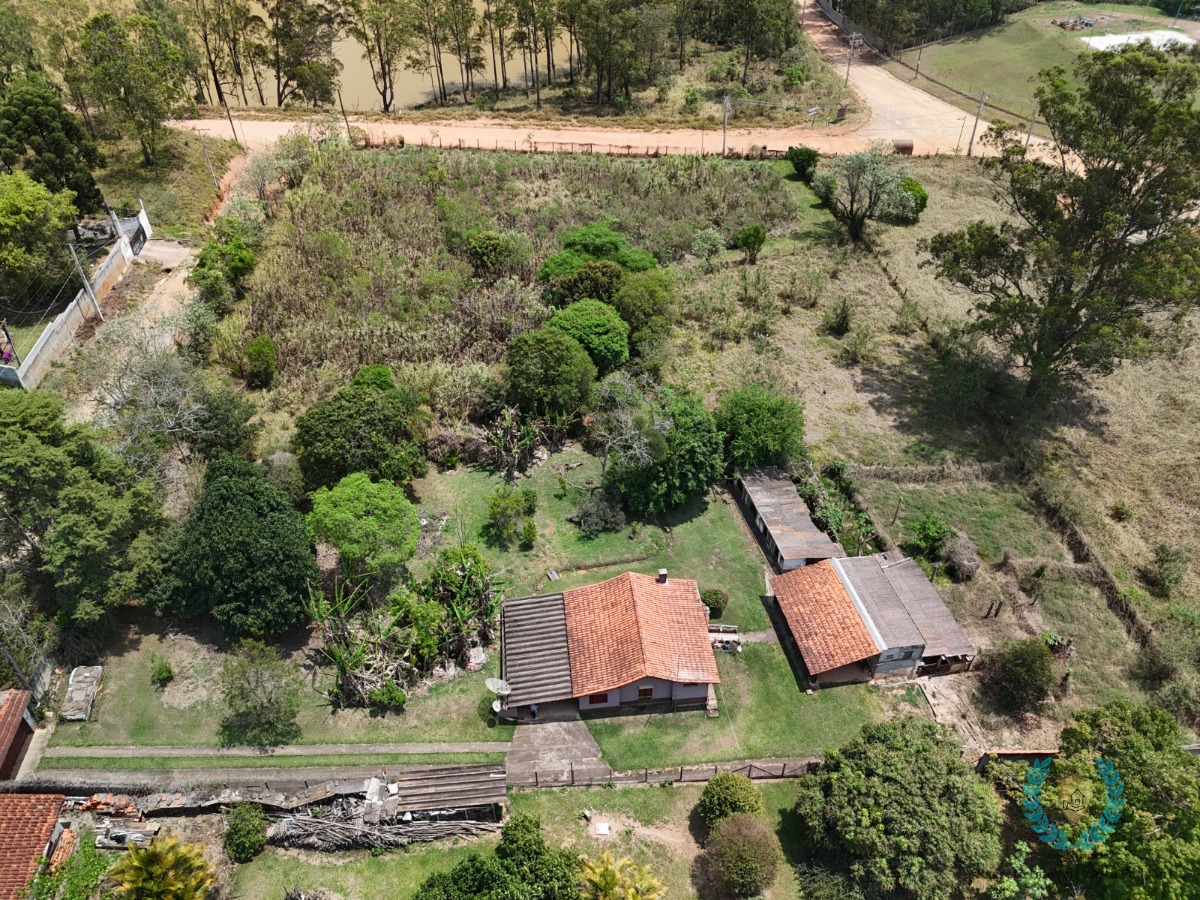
x=327, y=833
x=112, y=835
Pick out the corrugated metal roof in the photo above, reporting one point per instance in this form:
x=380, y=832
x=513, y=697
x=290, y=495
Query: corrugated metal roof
x=786, y=516
x=942, y=633
x=533, y=649
x=822, y=618
x=881, y=602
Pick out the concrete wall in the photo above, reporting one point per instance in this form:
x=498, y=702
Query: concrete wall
x=663, y=692
x=892, y=661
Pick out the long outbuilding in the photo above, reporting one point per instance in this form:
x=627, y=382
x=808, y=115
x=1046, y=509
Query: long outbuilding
x=782, y=521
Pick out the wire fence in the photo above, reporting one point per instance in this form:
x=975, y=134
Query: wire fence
x=602, y=776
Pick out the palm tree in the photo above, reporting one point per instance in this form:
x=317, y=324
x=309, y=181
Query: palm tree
x=606, y=878
x=165, y=870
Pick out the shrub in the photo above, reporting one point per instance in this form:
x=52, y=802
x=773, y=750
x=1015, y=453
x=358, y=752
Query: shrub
x=596, y=240
x=563, y=264
x=691, y=100
x=493, y=255
x=388, y=695
x=635, y=260
x=908, y=319
x=838, y=318
x=716, y=600
x=260, y=363
x=1120, y=511
x=528, y=534
x=761, y=428
x=161, y=672
x=596, y=280
x=920, y=196
x=707, y=244
x=509, y=511
x=225, y=428
x=599, y=328
x=1022, y=675
x=164, y=869
x=750, y=241
x=929, y=535
x=598, y=513
x=648, y=303
x=245, y=831
x=549, y=372
x=1167, y=569
x=856, y=348
x=742, y=855
x=962, y=558
x=726, y=794
x=804, y=160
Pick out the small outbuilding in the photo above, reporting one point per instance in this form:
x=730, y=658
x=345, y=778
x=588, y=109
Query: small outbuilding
x=634, y=640
x=858, y=618
x=782, y=521
x=16, y=730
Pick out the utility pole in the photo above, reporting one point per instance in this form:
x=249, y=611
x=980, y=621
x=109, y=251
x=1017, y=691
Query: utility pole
x=229, y=116
x=1178, y=10
x=208, y=164
x=87, y=284
x=345, y=118
x=728, y=108
x=920, y=50
x=1032, y=119
x=975, y=127
x=856, y=41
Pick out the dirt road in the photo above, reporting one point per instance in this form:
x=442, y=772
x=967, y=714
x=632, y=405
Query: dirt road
x=897, y=111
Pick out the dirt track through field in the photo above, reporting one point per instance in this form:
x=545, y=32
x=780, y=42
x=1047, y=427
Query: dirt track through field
x=897, y=111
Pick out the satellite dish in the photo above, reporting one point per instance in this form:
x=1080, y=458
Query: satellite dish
x=498, y=686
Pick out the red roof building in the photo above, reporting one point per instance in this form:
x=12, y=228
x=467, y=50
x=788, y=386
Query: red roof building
x=28, y=831
x=15, y=730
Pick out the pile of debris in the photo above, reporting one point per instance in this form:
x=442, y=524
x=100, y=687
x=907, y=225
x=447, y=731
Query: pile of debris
x=81, y=693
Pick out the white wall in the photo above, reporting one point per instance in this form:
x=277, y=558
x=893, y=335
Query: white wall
x=664, y=692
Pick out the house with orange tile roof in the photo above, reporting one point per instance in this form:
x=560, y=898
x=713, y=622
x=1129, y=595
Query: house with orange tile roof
x=16, y=730
x=634, y=640
x=29, y=832
x=859, y=618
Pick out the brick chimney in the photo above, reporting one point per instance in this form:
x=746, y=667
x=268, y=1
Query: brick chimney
x=662, y=576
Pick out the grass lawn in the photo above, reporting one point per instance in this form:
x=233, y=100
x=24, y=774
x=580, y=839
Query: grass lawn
x=267, y=761
x=704, y=540
x=391, y=876
x=180, y=194
x=764, y=714
x=25, y=336
x=131, y=711
x=995, y=516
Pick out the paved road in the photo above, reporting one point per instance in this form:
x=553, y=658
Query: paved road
x=289, y=750
x=896, y=110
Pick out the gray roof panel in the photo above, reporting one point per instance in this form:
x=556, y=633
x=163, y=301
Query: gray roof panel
x=533, y=649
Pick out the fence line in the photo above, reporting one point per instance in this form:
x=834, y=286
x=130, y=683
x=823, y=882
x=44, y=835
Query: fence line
x=601, y=776
x=58, y=336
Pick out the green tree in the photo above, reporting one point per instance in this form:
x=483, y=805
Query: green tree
x=742, y=855
x=1022, y=881
x=750, y=241
x=509, y=510
x=861, y=186
x=549, y=373
x=599, y=329
x=461, y=581
x=261, y=693
x=245, y=831
x=1023, y=675
x=164, y=869
x=648, y=301
x=606, y=878
x=77, y=515
x=1099, y=261
x=224, y=426
x=242, y=555
x=369, y=426
x=17, y=52
x=761, y=428
x=804, y=160
x=596, y=280
x=39, y=135
x=135, y=73
x=903, y=811
x=34, y=260
x=386, y=35
x=300, y=49
x=687, y=460
x=371, y=523
x=726, y=794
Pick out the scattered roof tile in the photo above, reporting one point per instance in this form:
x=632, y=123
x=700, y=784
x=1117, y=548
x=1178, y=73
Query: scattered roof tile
x=27, y=823
x=632, y=627
x=827, y=628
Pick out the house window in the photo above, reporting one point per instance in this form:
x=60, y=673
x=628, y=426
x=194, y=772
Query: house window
x=646, y=692
x=597, y=699
x=908, y=654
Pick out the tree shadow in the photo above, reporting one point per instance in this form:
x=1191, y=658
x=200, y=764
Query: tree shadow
x=263, y=734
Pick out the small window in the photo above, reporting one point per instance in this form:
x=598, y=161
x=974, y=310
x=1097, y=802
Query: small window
x=595, y=699
x=646, y=693
x=908, y=654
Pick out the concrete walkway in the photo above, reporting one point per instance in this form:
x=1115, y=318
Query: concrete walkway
x=557, y=745
x=183, y=779
x=289, y=750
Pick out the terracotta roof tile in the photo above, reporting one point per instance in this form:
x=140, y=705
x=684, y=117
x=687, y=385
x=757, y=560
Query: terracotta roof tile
x=12, y=709
x=821, y=616
x=632, y=627
x=27, y=823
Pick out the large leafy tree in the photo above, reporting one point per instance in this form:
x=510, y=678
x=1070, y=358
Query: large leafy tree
x=386, y=35
x=16, y=42
x=863, y=186
x=369, y=426
x=1155, y=850
x=136, y=73
x=761, y=428
x=1101, y=260
x=33, y=254
x=371, y=523
x=300, y=49
x=261, y=692
x=75, y=515
x=599, y=329
x=242, y=555
x=549, y=373
x=684, y=462
x=38, y=134
x=902, y=811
